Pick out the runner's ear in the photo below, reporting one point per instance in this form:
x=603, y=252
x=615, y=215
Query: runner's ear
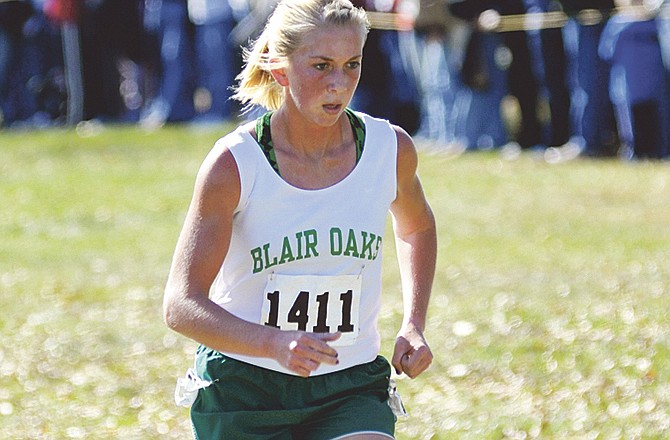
x=280, y=76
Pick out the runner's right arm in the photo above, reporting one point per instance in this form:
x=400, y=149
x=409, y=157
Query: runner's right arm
x=200, y=251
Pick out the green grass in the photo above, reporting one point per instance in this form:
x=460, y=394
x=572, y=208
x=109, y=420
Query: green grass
x=549, y=317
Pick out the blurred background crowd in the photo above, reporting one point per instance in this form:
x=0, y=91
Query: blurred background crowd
x=570, y=77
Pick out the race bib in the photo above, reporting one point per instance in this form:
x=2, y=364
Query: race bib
x=315, y=304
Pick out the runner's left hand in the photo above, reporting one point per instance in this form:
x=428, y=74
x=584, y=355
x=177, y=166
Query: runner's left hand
x=411, y=355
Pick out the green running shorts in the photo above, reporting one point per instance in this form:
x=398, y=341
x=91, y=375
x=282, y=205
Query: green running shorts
x=246, y=402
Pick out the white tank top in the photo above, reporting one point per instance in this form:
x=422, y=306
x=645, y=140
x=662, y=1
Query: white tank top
x=311, y=259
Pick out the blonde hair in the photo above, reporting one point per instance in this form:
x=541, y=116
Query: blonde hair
x=283, y=33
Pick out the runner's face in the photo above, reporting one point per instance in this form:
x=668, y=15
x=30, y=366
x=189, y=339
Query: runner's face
x=322, y=74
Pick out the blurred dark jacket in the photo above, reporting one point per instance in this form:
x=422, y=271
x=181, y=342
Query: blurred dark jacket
x=13, y=14
x=574, y=6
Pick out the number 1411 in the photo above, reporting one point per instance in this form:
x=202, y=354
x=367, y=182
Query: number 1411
x=299, y=311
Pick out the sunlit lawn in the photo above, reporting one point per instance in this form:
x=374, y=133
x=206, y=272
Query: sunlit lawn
x=549, y=317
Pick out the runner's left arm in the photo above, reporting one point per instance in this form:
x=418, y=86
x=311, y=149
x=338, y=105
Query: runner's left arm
x=416, y=245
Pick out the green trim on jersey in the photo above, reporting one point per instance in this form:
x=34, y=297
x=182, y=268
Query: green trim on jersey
x=358, y=127
x=265, y=137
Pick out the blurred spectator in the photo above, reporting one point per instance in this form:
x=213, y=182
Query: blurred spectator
x=593, y=131
x=484, y=76
x=174, y=100
x=638, y=81
x=497, y=65
x=67, y=14
x=39, y=88
x=388, y=86
x=442, y=69
x=549, y=66
x=217, y=56
x=96, y=36
x=111, y=32
x=251, y=15
x=13, y=15
x=522, y=82
x=438, y=40
x=199, y=59
x=663, y=22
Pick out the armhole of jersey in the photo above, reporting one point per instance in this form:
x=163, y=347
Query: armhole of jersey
x=243, y=162
x=264, y=137
x=384, y=144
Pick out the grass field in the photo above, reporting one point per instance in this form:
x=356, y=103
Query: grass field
x=549, y=317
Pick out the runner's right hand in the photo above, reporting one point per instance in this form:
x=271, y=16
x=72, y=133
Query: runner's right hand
x=303, y=352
